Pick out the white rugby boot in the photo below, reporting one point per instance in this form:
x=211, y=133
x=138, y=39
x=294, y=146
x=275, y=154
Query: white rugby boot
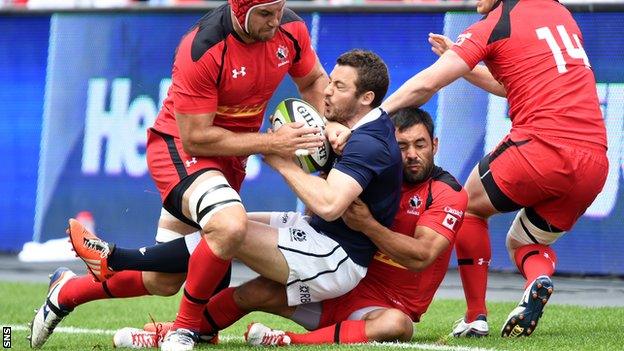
x=260, y=335
x=50, y=313
x=477, y=328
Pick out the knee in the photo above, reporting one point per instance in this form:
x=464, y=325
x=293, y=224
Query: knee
x=396, y=325
x=232, y=228
x=163, y=284
x=226, y=233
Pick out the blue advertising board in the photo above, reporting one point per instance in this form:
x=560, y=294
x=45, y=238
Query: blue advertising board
x=107, y=74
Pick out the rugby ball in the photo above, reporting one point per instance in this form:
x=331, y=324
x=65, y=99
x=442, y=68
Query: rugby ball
x=296, y=110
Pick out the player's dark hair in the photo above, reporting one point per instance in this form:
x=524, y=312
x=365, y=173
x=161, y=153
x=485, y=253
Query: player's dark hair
x=372, y=73
x=411, y=116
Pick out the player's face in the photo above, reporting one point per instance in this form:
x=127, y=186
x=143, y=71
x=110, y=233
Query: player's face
x=417, y=150
x=264, y=21
x=341, y=102
x=485, y=6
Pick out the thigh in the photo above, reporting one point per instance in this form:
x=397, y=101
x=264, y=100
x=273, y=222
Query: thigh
x=210, y=188
x=588, y=175
x=523, y=171
x=259, y=252
x=169, y=164
x=479, y=203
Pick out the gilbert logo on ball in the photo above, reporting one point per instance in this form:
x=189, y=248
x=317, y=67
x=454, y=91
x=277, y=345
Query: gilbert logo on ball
x=296, y=110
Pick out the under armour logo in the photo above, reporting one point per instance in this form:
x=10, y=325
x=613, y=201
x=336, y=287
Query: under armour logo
x=482, y=261
x=462, y=37
x=552, y=261
x=285, y=218
x=236, y=73
x=190, y=162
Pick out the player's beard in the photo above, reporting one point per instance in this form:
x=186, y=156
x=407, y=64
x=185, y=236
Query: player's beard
x=265, y=35
x=419, y=176
x=341, y=114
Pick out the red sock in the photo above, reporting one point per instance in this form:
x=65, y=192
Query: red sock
x=473, y=258
x=205, y=271
x=221, y=312
x=348, y=332
x=83, y=289
x=535, y=260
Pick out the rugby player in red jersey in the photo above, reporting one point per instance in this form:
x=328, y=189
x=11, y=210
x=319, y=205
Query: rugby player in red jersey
x=226, y=68
x=553, y=163
x=412, y=260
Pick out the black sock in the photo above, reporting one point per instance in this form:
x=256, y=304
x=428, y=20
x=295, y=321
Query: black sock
x=169, y=257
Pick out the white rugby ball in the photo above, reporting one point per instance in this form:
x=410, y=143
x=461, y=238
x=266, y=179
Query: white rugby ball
x=296, y=110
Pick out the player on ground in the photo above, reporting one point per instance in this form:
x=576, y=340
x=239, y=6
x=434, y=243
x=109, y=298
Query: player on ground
x=398, y=286
x=198, y=146
x=553, y=163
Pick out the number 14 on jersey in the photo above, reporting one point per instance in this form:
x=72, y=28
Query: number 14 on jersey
x=544, y=33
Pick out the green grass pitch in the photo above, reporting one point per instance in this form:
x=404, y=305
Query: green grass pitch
x=561, y=328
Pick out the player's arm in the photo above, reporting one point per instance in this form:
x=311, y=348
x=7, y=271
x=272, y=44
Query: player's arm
x=201, y=138
x=421, y=87
x=312, y=85
x=414, y=253
x=480, y=76
x=328, y=198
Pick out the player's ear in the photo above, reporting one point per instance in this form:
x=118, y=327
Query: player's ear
x=435, y=145
x=367, y=98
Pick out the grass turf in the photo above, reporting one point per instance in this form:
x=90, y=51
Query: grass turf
x=561, y=328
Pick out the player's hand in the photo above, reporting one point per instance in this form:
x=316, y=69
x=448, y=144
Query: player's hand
x=357, y=216
x=337, y=134
x=294, y=136
x=439, y=43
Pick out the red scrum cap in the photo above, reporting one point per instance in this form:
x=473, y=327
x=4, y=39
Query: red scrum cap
x=242, y=9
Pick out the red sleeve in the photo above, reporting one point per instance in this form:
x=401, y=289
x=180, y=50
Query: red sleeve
x=194, y=83
x=308, y=57
x=472, y=44
x=446, y=213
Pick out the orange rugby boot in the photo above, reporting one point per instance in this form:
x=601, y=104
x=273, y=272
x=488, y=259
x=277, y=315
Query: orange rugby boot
x=91, y=249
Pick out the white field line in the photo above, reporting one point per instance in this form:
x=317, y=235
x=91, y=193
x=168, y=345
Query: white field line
x=227, y=338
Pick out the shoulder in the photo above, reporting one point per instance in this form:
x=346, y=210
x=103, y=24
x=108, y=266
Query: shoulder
x=212, y=29
x=443, y=179
x=291, y=17
x=293, y=26
x=446, y=193
x=361, y=139
x=499, y=20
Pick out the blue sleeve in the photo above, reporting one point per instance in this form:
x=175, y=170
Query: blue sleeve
x=363, y=158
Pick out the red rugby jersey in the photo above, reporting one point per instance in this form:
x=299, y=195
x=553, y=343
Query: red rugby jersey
x=534, y=48
x=215, y=71
x=439, y=204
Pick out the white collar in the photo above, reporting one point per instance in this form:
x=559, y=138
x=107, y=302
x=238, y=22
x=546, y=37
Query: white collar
x=369, y=117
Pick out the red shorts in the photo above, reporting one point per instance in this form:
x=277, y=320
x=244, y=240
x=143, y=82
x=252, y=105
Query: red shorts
x=340, y=308
x=558, y=178
x=169, y=164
